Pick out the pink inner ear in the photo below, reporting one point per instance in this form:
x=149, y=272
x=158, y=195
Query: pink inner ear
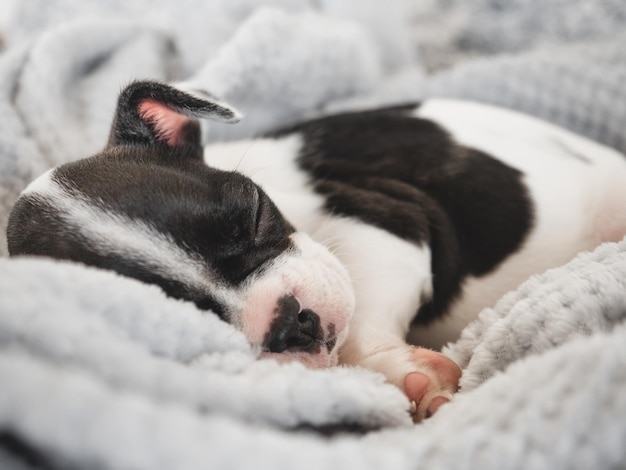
x=168, y=124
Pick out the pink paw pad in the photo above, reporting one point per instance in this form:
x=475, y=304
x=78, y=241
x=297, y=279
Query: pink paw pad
x=427, y=395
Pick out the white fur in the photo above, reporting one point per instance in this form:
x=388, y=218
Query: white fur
x=390, y=276
x=391, y=279
x=270, y=163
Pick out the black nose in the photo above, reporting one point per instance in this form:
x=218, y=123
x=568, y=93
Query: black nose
x=293, y=329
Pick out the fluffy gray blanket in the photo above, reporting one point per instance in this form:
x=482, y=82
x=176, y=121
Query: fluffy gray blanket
x=100, y=371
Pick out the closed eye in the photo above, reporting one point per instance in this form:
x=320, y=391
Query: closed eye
x=263, y=219
x=258, y=200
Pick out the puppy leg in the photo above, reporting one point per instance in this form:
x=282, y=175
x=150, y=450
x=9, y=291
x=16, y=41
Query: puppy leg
x=391, y=278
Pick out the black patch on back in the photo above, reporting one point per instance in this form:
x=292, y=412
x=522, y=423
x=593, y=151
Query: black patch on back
x=407, y=175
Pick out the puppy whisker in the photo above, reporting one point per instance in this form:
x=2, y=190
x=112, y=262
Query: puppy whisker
x=245, y=154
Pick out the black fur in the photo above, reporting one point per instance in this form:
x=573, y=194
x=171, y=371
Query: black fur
x=131, y=127
x=406, y=175
x=223, y=217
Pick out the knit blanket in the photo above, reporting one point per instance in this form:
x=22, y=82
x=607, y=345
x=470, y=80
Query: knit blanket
x=101, y=371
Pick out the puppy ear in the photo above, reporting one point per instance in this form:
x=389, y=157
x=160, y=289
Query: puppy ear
x=152, y=113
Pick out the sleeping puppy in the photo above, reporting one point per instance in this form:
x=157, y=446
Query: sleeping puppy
x=333, y=240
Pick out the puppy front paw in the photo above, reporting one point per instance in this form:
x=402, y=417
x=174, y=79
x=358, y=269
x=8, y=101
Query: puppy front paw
x=432, y=381
x=428, y=379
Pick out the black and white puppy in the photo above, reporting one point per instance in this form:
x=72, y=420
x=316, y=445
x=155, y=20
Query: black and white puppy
x=346, y=234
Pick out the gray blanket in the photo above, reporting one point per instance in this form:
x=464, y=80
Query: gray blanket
x=100, y=371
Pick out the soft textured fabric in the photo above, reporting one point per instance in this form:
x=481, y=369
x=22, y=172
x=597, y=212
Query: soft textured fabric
x=101, y=371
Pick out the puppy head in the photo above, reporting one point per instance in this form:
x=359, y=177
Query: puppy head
x=148, y=207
